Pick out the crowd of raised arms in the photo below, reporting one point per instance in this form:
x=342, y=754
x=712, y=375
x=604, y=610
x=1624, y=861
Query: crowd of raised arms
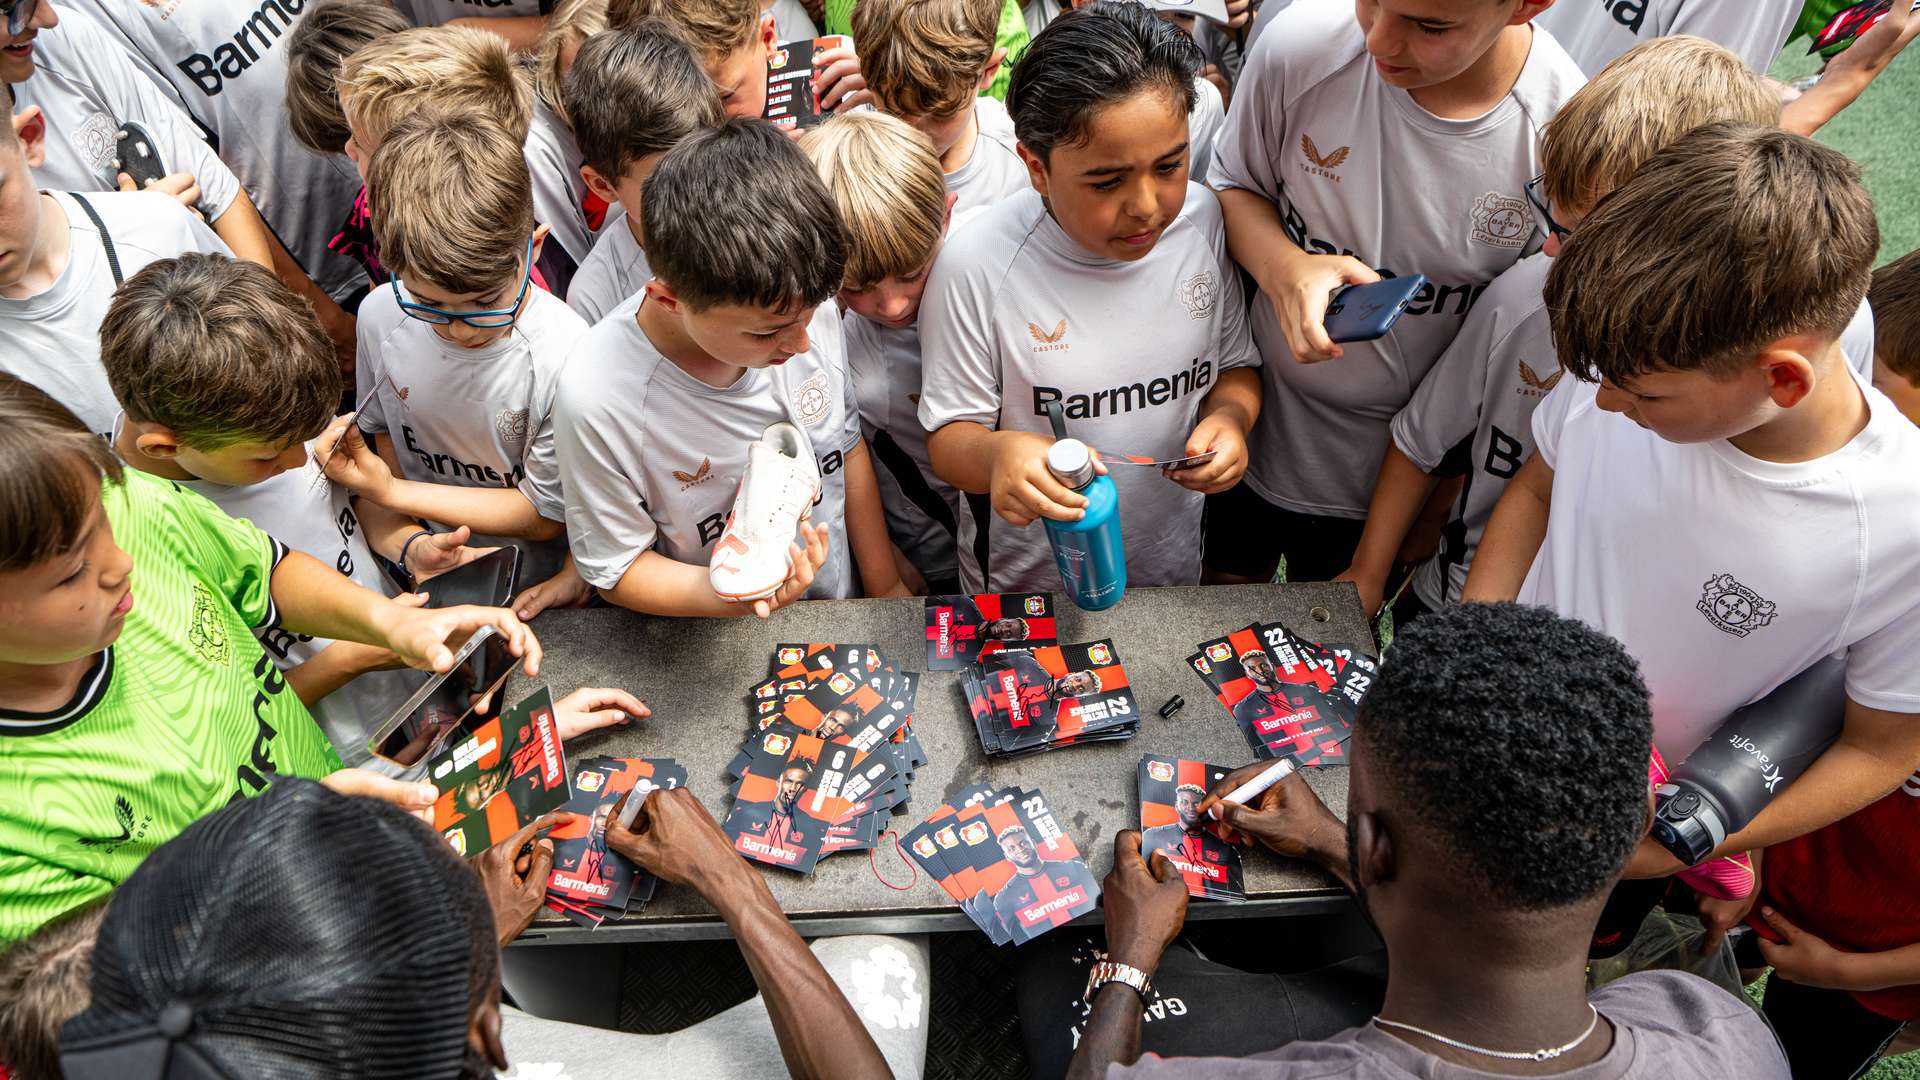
x=305, y=303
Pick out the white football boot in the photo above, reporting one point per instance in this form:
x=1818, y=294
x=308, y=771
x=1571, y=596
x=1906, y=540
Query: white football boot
x=777, y=492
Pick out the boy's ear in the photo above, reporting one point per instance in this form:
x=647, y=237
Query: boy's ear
x=540, y=233
x=155, y=440
x=1528, y=11
x=992, y=69
x=1789, y=373
x=946, y=221
x=598, y=185
x=30, y=127
x=1036, y=169
x=659, y=292
x=769, y=36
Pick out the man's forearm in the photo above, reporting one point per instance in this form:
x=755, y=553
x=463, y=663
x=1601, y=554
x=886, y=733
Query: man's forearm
x=962, y=455
x=657, y=585
x=245, y=234
x=820, y=1034
x=1113, y=1033
x=1513, y=537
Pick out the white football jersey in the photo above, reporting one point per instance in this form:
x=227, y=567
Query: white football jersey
x=1595, y=31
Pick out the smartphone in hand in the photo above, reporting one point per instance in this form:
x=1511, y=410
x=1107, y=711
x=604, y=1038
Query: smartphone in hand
x=1367, y=312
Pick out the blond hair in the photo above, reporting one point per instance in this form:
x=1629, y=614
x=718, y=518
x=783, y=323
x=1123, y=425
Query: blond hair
x=715, y=28
x=452, y=201
x=886, y=181
x=570, y=25
x=1895, y=298
x=1647, y=97
x=925, y=57
x=444, y=67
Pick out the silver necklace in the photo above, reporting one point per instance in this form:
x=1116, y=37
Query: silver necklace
x=1546, y=1054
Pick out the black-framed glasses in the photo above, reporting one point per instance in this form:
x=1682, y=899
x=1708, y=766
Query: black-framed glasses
x=485, y=320
x=1543, y=210
x=19, y=14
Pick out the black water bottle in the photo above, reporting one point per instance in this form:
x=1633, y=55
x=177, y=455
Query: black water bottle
x=1762, y=748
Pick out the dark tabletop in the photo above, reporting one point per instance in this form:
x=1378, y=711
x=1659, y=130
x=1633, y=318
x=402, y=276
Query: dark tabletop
x=694, y=673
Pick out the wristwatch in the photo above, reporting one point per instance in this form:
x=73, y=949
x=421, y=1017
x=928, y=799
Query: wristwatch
x=1106, y=971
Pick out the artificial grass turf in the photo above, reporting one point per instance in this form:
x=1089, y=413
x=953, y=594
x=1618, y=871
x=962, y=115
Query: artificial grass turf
x=1881, y=131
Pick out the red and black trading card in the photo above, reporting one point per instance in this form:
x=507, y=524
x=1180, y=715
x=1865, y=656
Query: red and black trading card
x=791, y=100
x=1043, y=881
x=1276, y=697
x=796, y=786
x=585, y=871
x=962, y=629
x=1051, y=696
x=1171, y=791
x=507, y=773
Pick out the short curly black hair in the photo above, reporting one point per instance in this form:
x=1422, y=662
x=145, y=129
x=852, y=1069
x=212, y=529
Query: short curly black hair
x=1517, y=741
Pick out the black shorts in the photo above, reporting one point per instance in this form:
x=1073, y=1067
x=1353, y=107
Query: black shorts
x=1826, y=1033
x=1247, y=536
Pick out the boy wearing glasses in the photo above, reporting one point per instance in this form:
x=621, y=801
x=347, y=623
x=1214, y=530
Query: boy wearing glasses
x=1472, y=415
x=459, y=355
x=1386, y=138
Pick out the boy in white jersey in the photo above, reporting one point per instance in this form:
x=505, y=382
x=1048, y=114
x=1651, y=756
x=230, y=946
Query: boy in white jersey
x=225, y=377
x=459, y=354
x=736, y=40
x=56, y=276
x=927, y=62
x=1733, y=501
x=1107, y=290
x=1396, y=135
x=886, y=181
x=1471, y=415
x=735, y=333
x=83, y=80
x=1595, y=31
x=633, y=94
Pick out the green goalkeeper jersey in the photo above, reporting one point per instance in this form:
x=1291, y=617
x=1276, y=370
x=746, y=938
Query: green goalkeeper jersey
x=181, y=715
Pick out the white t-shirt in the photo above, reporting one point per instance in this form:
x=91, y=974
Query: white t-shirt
x=559, y=196
x=1479, y=401
x=221, y=61
x=1355, y=166
x=308, y=513
x=436, y=12
x=652, y=457
x=1016, y=314
x=480, y=418
x=53, y=339
x=1595, y=31
x=1204, y=124
x=791, y=21
x=885, y=363
x=88, y=84
x=1039, y=13
x=1723, y=574
x=615, y=269
x=995, y=170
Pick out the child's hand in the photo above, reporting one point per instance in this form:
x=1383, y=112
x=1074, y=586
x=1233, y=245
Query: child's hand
x=1804, y=958
x=591, y=708
x=838, y=81
x=437, y=553
x=1239, y=13
x=181, y=185
x=415, y=798
x=1718, y=916
x=348, y=460
x=1222, y=434
x=563, y=590
x=1303, y=286
x=427, y=637
x=1023, y=490
x=1373, y=589
x=805, y=562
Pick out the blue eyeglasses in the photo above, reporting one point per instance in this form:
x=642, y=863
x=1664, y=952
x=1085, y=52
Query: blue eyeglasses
x=485, y=320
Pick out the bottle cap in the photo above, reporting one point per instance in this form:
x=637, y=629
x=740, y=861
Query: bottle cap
x=1069, y=462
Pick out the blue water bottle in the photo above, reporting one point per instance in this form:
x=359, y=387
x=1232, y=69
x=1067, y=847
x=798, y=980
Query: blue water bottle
x=1091, y=556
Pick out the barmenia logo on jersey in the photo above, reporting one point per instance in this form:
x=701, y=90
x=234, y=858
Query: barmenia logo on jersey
x=1733, y=607
x=1127, y=397
x=1318, y=164
x=1501, y=221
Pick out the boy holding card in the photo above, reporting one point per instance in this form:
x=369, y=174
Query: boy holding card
x=736, y=42
x=1731, y=501
x=1112, y=297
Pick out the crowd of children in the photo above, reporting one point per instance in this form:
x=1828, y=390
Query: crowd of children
x=304, y=304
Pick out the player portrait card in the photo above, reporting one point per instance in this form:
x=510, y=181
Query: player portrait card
x=794, y=788
x=844, y=710
x=962, y=629
x=1043, y=883
x=1275, y=695
x=1053, y=695
x=503, y=776
x=585, y=870
x=1171, y=790
x=791, y=101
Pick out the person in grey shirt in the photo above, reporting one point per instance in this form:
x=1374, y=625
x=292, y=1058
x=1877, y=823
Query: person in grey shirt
x=1488, y=818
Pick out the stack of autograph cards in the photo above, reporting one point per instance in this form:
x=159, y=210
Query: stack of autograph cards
x=1200, y=848
x=590, y=883
x=830, y=756
x=1291, y=696
x=963, y=629
x=791, y=100
x=500, y=778
x=1003, y=856
x=1026, y=701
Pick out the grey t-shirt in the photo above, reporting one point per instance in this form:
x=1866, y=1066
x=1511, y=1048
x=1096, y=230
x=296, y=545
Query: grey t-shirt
x=995, y=170
x=88, y=84
x=1356, y=166
x=1667, y=1025
x=614, y=270
x=885, y=362
x=436, y=12
x=651, y=457
x=1595, y=31
x=1016, y=315
x=559, y=195
x=222, y=62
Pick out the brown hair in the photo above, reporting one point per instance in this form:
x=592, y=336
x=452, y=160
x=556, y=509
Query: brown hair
x=1895, y=298
x=318, y=45
x=636, y=91
x=1730, y=238
x=572, y=23
x=454, y=68
x=452, y=201
x=220, y=351
x=715, y=28
x=1647, y=97
x=50, y=475
x=887, y=183
x=925, y=57
x=43, y=984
